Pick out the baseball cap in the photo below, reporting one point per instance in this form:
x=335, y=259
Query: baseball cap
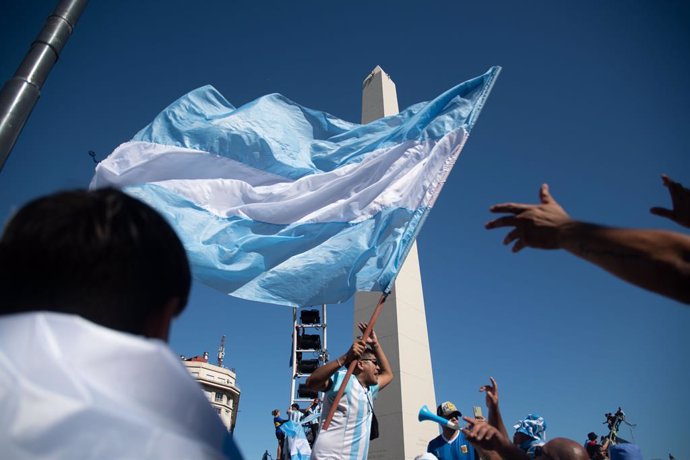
x=448, y=410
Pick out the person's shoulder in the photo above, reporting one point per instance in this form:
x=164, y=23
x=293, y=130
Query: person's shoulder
x=337, y=380
x=374, y=389
x=435, y=443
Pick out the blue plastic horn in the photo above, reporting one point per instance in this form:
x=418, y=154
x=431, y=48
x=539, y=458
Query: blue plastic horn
x=425, y=414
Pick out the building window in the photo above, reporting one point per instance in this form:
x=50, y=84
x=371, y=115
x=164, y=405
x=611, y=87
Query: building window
x=219, y=397
x=218, y=410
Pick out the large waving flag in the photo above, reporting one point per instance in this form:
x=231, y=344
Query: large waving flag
x=279, y=203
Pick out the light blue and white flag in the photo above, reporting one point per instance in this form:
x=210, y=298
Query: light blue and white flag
x=279, y=203
x=296, y=440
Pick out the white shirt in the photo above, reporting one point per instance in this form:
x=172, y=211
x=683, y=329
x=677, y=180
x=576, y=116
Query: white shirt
x=72, y=389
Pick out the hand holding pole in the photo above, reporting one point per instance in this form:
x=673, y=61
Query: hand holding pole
x=353, y=363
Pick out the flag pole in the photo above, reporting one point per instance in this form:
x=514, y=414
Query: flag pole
x=19, y=94
x=351, y=367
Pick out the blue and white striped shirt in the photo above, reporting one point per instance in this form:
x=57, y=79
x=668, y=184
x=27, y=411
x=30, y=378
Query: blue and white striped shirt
x=347, y=437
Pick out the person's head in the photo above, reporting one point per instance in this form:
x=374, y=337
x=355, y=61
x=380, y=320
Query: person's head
x=426, y=456
x=592, y=436
x=529, y=431
x=562, y=449
x=100, y=254
x=275, y=412
x=367, y=369
x=294, y=406
x=450, y=412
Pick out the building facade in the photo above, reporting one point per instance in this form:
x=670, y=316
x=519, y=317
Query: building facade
x=219, y=385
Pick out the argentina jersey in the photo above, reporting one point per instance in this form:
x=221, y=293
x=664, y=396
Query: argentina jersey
x=457, y=449
x=347, y=437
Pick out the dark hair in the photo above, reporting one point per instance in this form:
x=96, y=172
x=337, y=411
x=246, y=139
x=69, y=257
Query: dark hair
x=368, y=352
x=99, y=254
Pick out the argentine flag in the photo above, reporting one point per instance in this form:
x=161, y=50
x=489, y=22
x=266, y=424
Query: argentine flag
x=296, y=440
x=279, y=203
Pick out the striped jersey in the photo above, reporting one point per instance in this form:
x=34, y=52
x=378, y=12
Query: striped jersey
x=295, y=415
x=347, y=437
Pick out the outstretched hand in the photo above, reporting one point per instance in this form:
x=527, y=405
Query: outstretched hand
x=536, y=225
x=491, y=391
x=680, y=200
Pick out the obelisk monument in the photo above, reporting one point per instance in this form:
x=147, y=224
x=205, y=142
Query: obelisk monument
x=401, y=328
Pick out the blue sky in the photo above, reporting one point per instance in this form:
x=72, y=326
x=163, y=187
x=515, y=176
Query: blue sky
x=594, y=99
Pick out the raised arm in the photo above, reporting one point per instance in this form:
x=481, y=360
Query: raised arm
x=320, y=379
x=652, y=259
x=385, y=372
x=495, y=418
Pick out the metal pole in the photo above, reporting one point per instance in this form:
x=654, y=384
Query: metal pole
x=324, y=355
x=294, y=354
x=19, y=94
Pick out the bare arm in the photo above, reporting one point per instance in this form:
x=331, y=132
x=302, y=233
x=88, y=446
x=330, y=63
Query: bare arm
x=320, y=379
x=652, y=259
x=386, y=372
x=495, y=418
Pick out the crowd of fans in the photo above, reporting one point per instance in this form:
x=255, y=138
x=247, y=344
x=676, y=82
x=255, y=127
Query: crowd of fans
x=652, y=259
x=87, y=276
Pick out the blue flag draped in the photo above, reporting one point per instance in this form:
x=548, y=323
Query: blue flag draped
x=279, y=203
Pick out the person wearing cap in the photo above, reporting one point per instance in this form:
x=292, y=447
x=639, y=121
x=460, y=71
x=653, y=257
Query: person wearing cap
x=451, y=444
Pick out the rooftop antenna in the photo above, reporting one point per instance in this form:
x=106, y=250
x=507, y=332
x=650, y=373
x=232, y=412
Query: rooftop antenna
x=221, y=351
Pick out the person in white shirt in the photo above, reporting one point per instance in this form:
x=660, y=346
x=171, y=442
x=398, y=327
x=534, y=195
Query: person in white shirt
x=348, y=435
